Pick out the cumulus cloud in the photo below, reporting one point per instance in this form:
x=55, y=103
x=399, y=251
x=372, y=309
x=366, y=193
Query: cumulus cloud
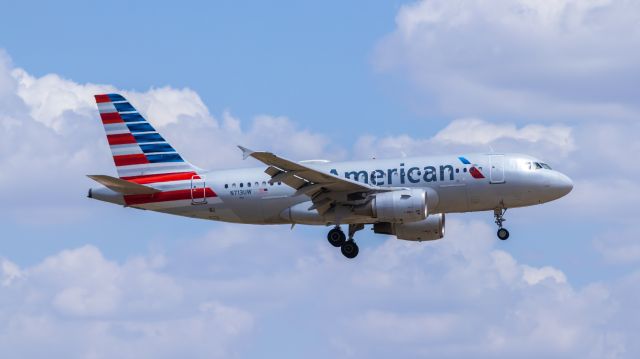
x=473, y=134
x=619, y=246
x=68, y=109
x=9, y=271
x=478, y=132
x=78, y=304
x=535, y=275
x=532, y=59
x=457, y=297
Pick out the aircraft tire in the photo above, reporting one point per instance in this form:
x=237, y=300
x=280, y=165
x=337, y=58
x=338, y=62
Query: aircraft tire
x=336, y=237
x=503, y=234
x=350, y=249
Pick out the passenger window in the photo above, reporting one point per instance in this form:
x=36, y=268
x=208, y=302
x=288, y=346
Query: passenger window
x=241, y=184
x=248, y=184
x=226, y=186
x=257, y=184
x=233, y=185
x=464, y=169
x=264, y=184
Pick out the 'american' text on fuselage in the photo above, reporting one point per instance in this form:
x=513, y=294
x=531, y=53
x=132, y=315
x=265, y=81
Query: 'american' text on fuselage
x=380, y=177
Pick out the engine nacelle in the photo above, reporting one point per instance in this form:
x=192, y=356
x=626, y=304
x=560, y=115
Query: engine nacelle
x=409, y=205
x=428, y=229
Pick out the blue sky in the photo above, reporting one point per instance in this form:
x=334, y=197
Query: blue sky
x=307, y=61
x=335, y=80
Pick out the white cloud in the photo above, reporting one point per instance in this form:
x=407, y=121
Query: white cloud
x=536, y=275
x=457, y=297
x=474, y=131
x=407, y=328
x=595, y=198
x=532, y=59
x=619, y=246
x=443, y=299
x=56, y=102
x=471, y=134
x=77, y=304
x=67, y=109
x=9, y=272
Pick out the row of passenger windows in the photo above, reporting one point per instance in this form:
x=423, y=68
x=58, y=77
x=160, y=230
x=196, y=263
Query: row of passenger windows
x=249, y=184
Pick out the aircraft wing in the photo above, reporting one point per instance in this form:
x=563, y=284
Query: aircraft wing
x=325, y=189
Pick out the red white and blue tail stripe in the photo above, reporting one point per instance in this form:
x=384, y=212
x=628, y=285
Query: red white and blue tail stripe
x=143, y=156
x=137, y=148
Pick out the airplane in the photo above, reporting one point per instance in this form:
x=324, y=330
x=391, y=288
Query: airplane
x=407, y=198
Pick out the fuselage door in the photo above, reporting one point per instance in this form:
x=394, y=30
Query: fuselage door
x=496, y=168
x=198, y=190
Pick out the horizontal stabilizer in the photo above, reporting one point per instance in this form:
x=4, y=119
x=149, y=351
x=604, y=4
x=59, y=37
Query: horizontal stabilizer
x=121, y=186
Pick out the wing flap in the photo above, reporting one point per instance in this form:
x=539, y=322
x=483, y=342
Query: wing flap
x=122, y=186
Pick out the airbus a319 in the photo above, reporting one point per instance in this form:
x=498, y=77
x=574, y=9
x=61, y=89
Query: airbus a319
x=407, y=198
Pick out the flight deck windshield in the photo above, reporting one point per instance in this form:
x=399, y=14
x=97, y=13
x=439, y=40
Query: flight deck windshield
x=538, y=166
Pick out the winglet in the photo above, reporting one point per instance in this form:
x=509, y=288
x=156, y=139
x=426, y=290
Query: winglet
x=245, y=152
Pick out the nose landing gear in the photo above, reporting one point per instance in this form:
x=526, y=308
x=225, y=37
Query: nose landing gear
x=498, y=213
x=348, y=247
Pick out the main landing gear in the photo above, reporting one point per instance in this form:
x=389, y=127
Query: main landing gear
x=498, y=213
x=348, y=247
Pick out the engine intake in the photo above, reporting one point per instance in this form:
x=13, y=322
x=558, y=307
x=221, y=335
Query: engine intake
x=404, y=206
x=428, y=229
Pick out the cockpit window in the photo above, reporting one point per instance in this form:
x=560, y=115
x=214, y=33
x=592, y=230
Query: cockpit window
x=538, y=166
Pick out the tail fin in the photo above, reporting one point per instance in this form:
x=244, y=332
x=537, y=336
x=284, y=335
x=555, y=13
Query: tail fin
x=139, y=151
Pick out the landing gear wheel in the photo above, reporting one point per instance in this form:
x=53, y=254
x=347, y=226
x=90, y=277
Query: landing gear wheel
x=349, y=249
x=336, y=237
x=498, y=213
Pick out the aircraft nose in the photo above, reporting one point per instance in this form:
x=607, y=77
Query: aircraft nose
x=561, y=185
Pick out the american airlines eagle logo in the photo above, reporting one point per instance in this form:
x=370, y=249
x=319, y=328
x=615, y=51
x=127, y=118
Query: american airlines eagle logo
x=474, y=171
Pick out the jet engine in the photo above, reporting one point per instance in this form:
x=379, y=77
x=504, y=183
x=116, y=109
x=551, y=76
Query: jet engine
x=409, y=205
x=428, y=229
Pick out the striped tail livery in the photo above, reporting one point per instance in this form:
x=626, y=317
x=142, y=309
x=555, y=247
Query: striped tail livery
x=152, y=174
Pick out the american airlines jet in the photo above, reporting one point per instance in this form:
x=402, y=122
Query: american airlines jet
x=407, y=198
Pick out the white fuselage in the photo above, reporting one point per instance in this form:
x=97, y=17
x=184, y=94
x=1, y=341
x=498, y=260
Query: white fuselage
x=486, y=182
